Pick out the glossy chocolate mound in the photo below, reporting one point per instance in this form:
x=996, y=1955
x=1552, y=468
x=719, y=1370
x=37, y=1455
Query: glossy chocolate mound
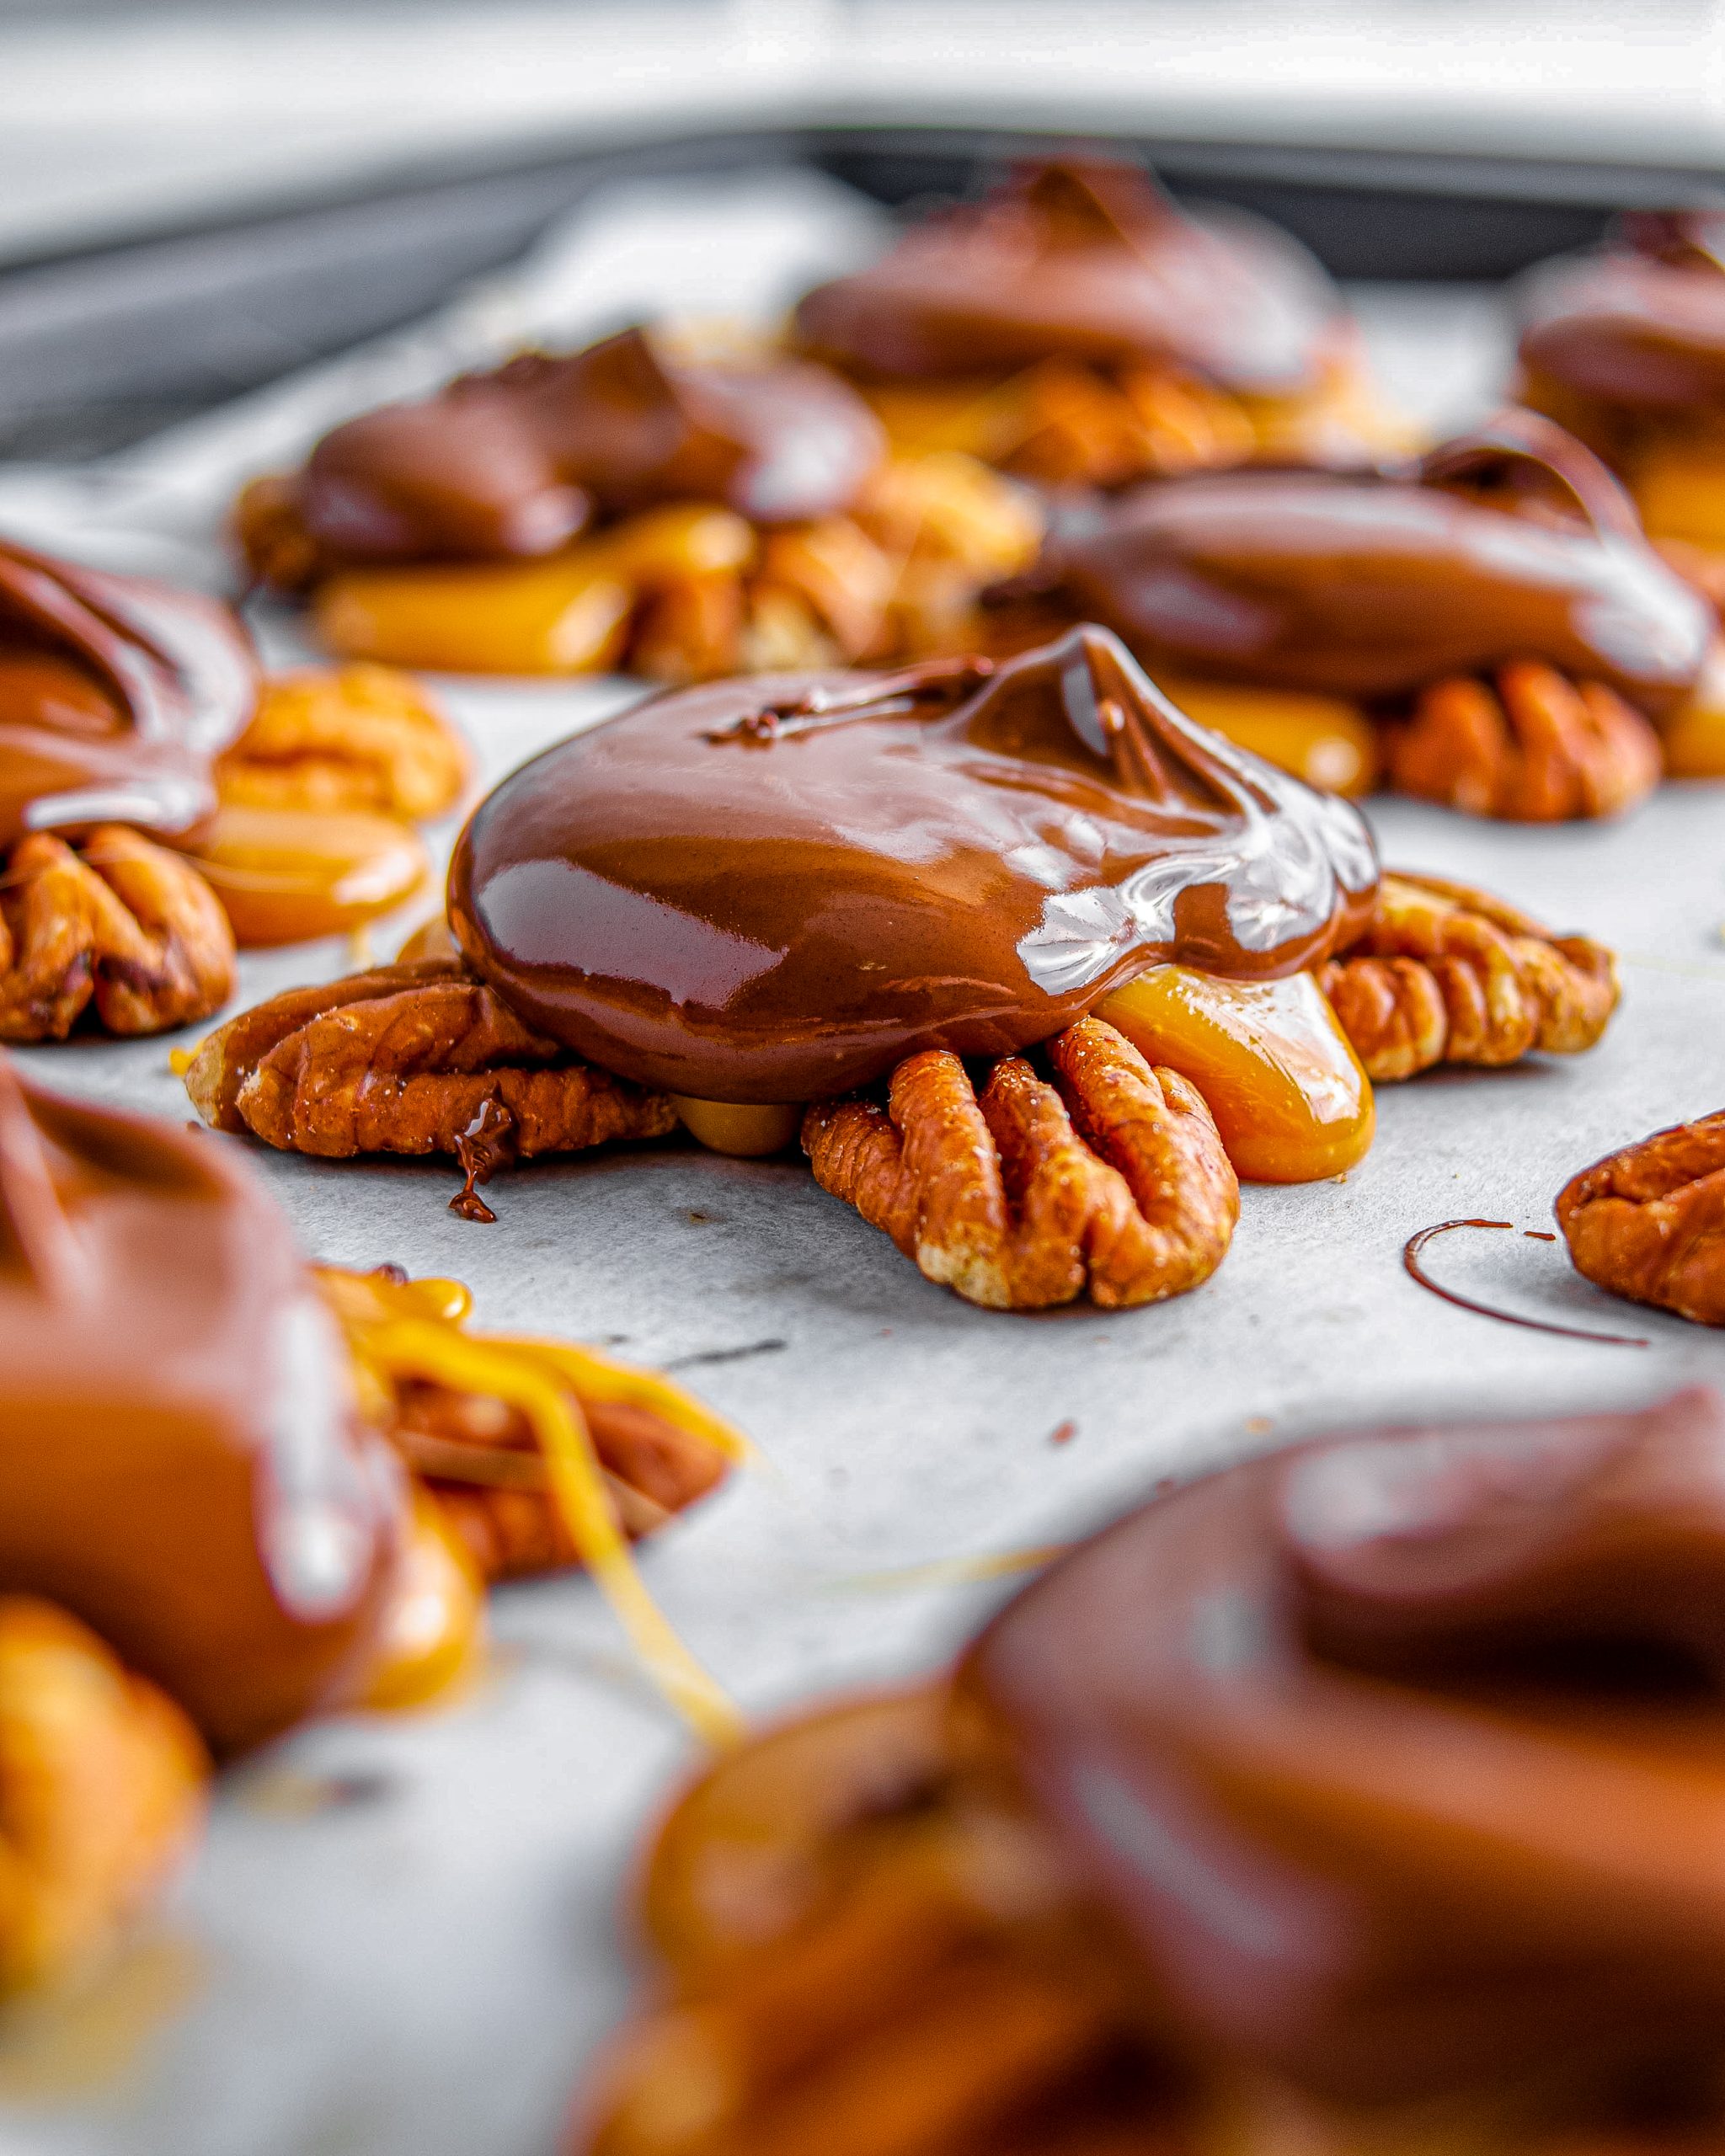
x=517, y=463
x=115, y=696
x=774, y=889
x=1641, y=325
x=1513, y=542
x=1090, y=260
x=181, y=1461
x=1400, y=1761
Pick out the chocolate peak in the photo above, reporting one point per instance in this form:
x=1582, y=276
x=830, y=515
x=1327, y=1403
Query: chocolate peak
x=1638, y=328
x=1692, y=238
x=1085, y=258
x=115, y=696
x=1511, y=542
x=1089, y=203
x=515, y=463
x=776, y=889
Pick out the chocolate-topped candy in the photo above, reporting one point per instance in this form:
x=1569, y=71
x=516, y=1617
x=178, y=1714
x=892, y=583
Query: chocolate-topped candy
x=1639, y=326
x=182, y=1462
x=1513, y=543
x=516, y=462
x=116, y=694
x=1089, y=259
x=775, y=889
x=1397, y=1760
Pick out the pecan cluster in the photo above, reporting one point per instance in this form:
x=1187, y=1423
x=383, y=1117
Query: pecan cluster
x=1112, y=1177
x=895, y=577
x=864, y=1952
x=102, y=1785
x=1064, y=424
x=1648, y=1222
x=479, y=1459
x=685, y=592
x=479, y=1454
x=1446, y=974
x=117, y=925
x=351, y=736
x=1529, y=747
x=404, y=1058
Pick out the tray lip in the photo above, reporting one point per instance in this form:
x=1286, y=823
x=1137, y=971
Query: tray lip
x=641, y=150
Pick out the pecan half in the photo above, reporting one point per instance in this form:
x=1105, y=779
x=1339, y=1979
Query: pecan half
x=1531, y=748
x=477, y=1454
x=1113, y=1177
x=1648, y=1222
x=865, y=1952
x=1446, y=974
x=119, y=924
x=402, y=1059
x=479, y=1459
x=353, y=737
x=102, y=1784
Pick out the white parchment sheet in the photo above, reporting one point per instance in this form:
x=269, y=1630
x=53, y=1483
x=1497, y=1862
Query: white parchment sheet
x=402, y=1938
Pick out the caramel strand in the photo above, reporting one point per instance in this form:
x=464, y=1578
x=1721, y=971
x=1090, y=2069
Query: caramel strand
x=405, y=1347
x=1415, y=1245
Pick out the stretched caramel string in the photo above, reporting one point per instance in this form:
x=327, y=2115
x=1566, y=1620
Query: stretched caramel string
x=1416, y=1243
x=416, y=1347
x=539, y=1378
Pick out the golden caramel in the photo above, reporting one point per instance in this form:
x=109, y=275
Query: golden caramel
x=691, y=591
x=102, y=1782
x=567, y=616
x=1329, y=741
x=1288, y=1094
x=285, y=875
x=1679, y=484
x=1693, y=738
x=747, y=1133
x=433, y=1628
x=739, y=1858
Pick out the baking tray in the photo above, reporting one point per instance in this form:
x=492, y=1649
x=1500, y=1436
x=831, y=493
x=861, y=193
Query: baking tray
x=100, y=346
x=402, y=1938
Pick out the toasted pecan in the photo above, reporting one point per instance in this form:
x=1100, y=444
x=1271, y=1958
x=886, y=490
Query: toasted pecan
x=119, y=924
x=102, y=1783
x=1446, y=974
x=402, y=1059
x=479, y=1459
x=864, y=1952
x=1113, y=1177
x=1532, y=747
x=350, y=737
x=1648, y=1222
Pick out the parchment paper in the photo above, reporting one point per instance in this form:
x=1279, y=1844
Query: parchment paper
x=402, y=1938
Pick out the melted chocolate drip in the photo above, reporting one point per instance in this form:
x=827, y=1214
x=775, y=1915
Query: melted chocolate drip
x=776, y=889
x=1513, y=543
x=116, y=697
x=1396, y=1762
x=516, y=462
x=181, y=1461
x=1412, y=1252
x=1089, y=259
x=488, y=1143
